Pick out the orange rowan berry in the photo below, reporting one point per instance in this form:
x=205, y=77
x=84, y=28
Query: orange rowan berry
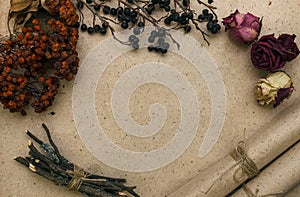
x=22, y=85
x=11, y=104
x=9, y=93
x=29, y=29
x=23, y=42
x=29, y=35
x=21, y=60
x=22, y=96
x=8, y=78
x=33, y=56
x=64, y=65
x=63, y=44
x=48, y=55
x=4, y=74
x=48, y=82
x=28, y=59
x=55, y=46
x=7, y=69
x=24, y=30
x=35, y=66
x=69, y=77
x=50, y=94
x=9, y=61
x=11, y=87
x=35, y=21
x=20, y=79
x=29, y=44
x=39, y=52
x=41, y=79
x=8, y=42
x=55, y=54
x=4, y=94
x=43, y=45
x=37, y=27
x=44, y=97
x=64, y=54
x=44, y=38
x=20, y=37
x=46, y=103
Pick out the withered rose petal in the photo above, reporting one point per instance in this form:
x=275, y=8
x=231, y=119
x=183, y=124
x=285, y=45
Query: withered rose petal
x=239, y=19
x=229, y=21
x=282, y=94
x=251, y=20
x=244, y=34
x=291, y=48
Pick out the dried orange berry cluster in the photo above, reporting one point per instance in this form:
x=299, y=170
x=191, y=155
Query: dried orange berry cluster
x=65, y=9
x=33, y=62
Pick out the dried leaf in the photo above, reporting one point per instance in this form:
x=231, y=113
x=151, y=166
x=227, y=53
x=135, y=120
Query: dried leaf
x=21, y=20
x=19, y=5
x=20, y=11
x=34, y=6
x=43, y=3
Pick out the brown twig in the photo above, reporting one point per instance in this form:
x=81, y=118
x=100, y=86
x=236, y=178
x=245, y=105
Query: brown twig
x=53, y=166
x=202, y=32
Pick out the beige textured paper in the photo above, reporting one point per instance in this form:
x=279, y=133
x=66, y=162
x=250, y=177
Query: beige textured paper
x=242, y=111
x=272, y=140
x=278, y=178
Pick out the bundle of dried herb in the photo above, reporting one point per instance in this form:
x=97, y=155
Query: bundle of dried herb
x=53, y=166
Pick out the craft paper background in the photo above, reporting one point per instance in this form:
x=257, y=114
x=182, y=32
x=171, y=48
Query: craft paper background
x=244, y=117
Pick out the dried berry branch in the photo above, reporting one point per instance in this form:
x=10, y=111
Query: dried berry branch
x=38, y=56
x=176, y=14
x=54, y=167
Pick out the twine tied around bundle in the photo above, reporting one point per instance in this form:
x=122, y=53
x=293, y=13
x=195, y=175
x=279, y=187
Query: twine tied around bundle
x=246, y=164
x=78, y=175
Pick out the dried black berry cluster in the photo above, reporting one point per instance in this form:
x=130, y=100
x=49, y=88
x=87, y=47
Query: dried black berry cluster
x=134, y=14
x=212, y=24
x=160, y=45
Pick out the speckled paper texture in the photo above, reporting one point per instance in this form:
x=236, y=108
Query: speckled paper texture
x=243, y=117
x=278, y=178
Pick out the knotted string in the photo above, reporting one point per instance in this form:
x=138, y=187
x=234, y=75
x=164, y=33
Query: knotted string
x=246, y=164
x=78, y=175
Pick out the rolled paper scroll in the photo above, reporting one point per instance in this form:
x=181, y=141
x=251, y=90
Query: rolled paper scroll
x=277, y=179
x=257, y=151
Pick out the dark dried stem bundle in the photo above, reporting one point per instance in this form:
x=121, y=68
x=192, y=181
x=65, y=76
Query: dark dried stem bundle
x=54, y=167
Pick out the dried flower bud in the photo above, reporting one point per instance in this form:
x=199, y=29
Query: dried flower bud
x=243, y=27
x=274, y=88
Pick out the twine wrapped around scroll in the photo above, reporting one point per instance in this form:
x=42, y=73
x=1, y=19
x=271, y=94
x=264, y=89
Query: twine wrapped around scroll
x=272, y=140
x=247, y=166
x=277, y=179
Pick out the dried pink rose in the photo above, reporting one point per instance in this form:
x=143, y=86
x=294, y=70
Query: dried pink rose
x=243, y=27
